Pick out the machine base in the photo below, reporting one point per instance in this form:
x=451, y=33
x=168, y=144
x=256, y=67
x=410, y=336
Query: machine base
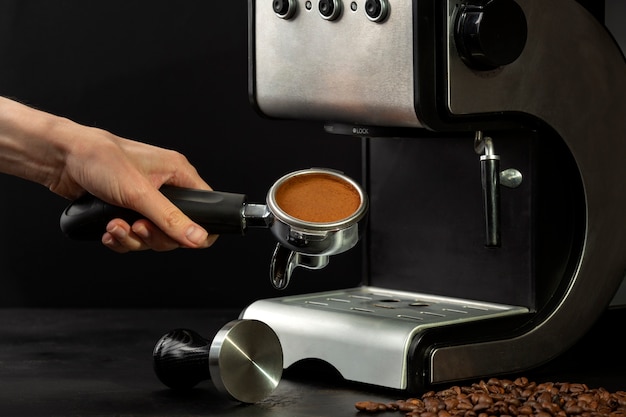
x=364, y=332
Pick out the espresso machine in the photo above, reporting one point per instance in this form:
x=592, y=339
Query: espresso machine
x=494, y=149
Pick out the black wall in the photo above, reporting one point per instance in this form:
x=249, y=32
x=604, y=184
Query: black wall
x=171, y=73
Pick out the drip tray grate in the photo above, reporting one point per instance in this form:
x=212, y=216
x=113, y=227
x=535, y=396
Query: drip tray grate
x=415, y=307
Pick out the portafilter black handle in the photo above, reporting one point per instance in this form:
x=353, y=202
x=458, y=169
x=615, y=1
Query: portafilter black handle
x=244, y=360
x=218, y=212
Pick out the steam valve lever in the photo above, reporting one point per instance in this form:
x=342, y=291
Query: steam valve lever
x=490, y=177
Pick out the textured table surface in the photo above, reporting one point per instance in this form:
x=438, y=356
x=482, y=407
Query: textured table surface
x=65, y=362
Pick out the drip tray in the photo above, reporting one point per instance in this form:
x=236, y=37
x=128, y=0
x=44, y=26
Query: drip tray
x=364, y=332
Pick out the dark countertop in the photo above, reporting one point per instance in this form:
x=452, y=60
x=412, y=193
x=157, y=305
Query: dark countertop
x=74, y=362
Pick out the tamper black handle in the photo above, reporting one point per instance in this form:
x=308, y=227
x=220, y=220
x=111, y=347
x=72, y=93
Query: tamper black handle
x=218, y=212
x=181, y=359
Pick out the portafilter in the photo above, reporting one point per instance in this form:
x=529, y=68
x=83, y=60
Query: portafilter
x=313, y=213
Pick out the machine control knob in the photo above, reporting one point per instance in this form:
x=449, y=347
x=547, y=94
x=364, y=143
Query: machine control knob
x=490, y=34
x=284, y=9
x=376, y=10
x=330, y=9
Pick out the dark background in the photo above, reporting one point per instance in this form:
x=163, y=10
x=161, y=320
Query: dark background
x=174, y=74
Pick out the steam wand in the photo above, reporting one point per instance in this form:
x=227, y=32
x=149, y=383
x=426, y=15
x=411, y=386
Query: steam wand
x=490, y=178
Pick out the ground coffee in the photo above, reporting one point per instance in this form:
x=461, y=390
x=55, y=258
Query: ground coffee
x=502, y=397
x=318, y=198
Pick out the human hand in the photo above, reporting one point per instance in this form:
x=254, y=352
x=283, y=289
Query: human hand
x=128, y=174
x=72, y=159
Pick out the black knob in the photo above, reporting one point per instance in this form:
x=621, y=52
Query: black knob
x=284, y=8
x=376, y=10
x=491, y=33
x=329, y=9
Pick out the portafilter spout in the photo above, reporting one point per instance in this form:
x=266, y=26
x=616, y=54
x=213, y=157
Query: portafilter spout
x=284, y=261
x=313, y=213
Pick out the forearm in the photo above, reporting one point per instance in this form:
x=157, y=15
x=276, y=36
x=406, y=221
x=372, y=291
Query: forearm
x=29, y=147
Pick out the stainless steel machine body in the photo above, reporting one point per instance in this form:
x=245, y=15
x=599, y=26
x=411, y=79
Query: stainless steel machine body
x=545, y=83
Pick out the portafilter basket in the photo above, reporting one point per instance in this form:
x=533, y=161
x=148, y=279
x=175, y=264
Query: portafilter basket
x=317, y=213
x=312, y=213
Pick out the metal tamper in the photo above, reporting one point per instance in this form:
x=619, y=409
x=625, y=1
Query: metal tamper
x=244, y=360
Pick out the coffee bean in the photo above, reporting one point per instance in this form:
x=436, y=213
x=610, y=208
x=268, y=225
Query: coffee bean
x=505, y=398
x=370, y=406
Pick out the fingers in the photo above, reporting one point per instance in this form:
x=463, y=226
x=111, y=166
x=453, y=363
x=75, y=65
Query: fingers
x=172, y=222
x=142, y=235
x=121, y=237
x=152, y=237
x=168, y=227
